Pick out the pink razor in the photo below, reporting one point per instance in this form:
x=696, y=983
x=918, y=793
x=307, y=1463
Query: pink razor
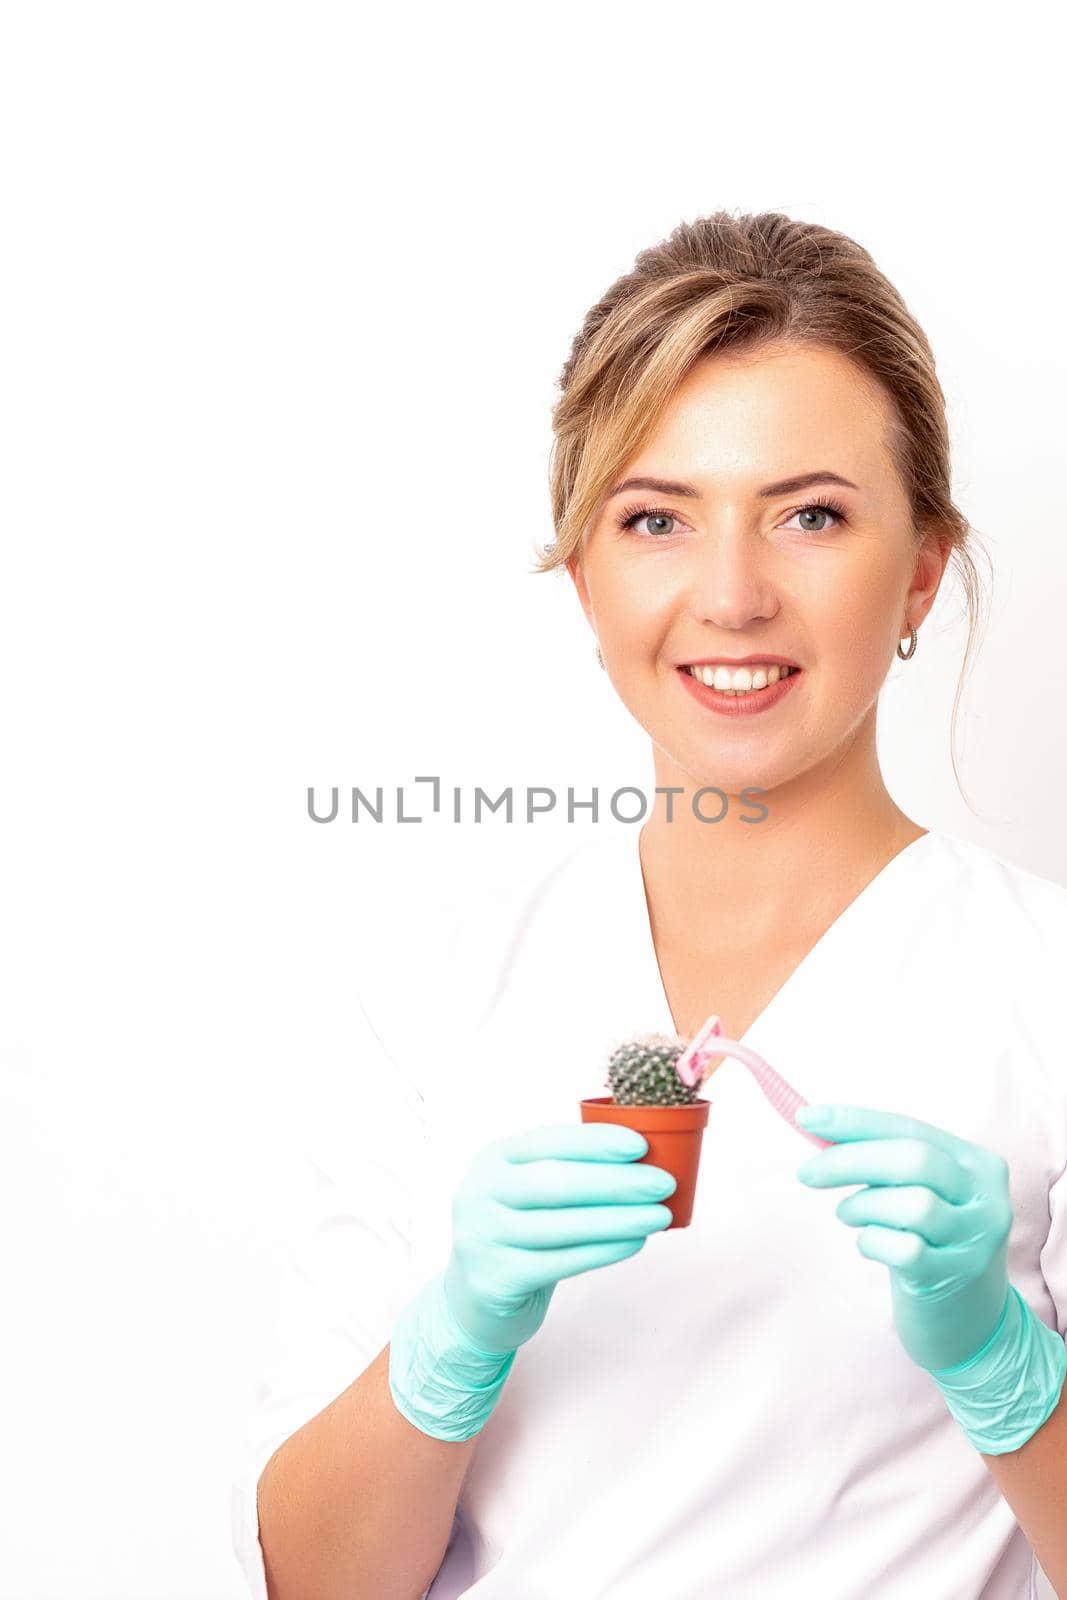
x=709, y=1040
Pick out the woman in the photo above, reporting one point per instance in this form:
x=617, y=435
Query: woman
x=751, y=495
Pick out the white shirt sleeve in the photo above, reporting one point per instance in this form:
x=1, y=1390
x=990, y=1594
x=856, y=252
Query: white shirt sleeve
x=342, y=1270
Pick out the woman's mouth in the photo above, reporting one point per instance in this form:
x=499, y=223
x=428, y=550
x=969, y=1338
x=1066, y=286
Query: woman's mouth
x=745, y=690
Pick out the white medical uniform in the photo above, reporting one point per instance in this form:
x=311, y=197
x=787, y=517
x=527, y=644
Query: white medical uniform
x=728, y=1413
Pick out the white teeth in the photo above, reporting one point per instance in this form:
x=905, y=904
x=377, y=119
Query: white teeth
x=739, y=680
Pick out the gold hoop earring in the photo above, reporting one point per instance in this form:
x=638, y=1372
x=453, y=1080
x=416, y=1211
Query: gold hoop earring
x=906, y=655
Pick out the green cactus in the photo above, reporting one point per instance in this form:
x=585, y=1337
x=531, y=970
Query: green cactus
x=641, y=1072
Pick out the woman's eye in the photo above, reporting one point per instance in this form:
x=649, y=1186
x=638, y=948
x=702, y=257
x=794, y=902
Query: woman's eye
x=656, y=519
x=816, y=511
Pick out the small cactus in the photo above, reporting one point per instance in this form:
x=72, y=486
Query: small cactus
x=642, y=1072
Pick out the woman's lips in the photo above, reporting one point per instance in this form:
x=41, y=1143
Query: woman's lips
x=740, y=705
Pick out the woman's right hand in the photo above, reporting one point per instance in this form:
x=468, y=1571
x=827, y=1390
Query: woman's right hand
x=540, y=1206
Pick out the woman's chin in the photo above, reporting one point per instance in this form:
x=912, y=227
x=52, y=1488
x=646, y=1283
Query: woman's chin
x=726, y=772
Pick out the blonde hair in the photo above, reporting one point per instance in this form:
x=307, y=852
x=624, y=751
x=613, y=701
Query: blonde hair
x=736, y=283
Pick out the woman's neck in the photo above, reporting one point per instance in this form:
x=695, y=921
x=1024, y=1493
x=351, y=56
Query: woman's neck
x=750, y=881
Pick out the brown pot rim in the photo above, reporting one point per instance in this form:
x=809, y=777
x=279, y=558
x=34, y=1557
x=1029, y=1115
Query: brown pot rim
x=643, y=1105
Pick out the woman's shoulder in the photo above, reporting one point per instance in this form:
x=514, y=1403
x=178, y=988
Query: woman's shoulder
x=543, y=902
x=485, y=913
x=998, y=897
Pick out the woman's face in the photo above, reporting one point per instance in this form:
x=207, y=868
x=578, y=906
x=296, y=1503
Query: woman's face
x=738, y=566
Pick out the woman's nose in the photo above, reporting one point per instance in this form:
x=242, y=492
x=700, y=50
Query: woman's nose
x=730, y=582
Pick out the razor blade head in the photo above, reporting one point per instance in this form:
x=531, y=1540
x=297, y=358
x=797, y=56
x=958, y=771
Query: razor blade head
x=690, y=1064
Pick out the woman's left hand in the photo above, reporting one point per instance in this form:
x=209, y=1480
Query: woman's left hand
x=936, y=1212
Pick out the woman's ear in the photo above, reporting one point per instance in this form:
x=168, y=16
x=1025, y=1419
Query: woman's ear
x=574, y=567
x=930, y=563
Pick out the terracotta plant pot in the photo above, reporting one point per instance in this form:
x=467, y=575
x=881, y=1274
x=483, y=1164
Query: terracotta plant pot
x=674, y=1135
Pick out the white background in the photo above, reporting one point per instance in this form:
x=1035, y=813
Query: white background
x=286, y=292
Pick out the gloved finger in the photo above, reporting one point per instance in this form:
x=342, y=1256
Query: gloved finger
x=890, y=1161
x=543, y=1229
x=843, y=1122
x=528, y=1185
x=574, y=1141
x=537, y=1269
x=913, y=1208
x=893, y=1247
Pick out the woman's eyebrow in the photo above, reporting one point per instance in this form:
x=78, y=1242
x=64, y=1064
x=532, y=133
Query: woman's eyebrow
x=802, y=480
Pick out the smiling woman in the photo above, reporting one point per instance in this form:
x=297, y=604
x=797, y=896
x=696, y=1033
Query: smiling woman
x=828, y=585
x=750, y=488
x=767, y=357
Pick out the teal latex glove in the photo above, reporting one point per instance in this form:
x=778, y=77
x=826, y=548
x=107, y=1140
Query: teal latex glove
x=937, y=1213
x=536, y=1207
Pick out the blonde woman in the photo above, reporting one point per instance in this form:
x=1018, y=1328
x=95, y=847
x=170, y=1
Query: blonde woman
x=801, y=1393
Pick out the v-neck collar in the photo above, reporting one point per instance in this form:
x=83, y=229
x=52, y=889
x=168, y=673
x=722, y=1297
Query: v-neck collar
x=846, y=921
